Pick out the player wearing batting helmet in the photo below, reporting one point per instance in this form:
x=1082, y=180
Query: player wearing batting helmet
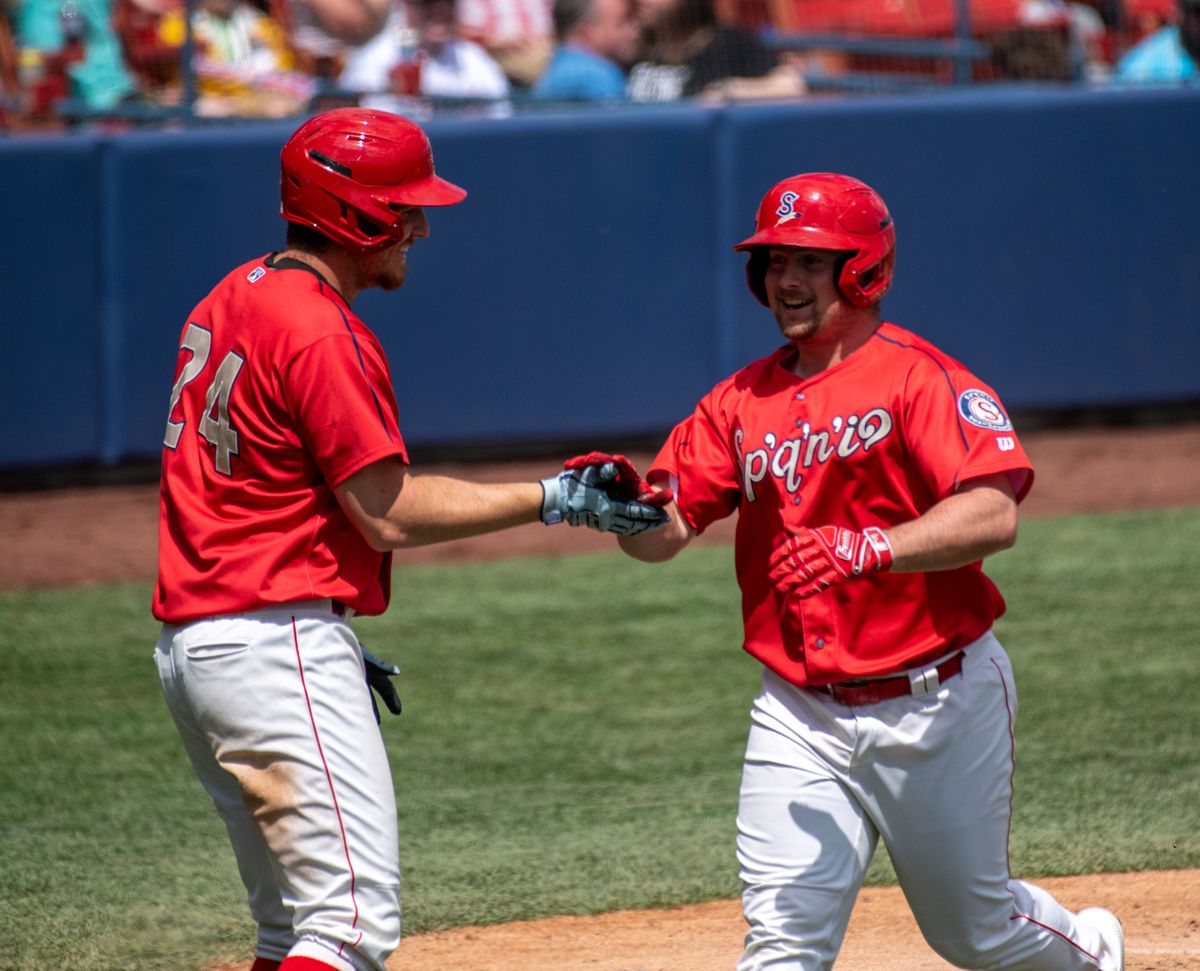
x=871, y=474
x=285, y=488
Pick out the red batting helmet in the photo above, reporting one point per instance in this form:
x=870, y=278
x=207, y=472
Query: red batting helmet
x=824, y=210
x=346, y=172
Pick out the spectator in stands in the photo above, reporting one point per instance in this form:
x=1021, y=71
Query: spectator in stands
x=323, y=32
x=71, y=43
x=685, y=53
x=243, y=65
x=517, y=33
x=1141, y=18
x=451, y=66
x=10, y=90
x=1169, y=55
x=421, y=53
x=595, y=39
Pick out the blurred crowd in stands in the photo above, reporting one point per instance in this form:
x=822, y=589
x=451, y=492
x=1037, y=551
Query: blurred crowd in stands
x=123, y=62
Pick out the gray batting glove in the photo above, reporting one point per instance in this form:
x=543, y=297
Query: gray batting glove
x=578, y=497
x=379, y=681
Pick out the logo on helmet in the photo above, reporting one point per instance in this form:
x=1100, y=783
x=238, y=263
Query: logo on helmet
x=787, y=207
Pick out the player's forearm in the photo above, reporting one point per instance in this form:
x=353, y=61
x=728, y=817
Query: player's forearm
x=660, y=544
x=961, y=529
x=393, y=509
x=434, y=509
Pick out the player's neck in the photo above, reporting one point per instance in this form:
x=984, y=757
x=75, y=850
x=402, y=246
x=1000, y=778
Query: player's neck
x=821, y=352
x=328, y=266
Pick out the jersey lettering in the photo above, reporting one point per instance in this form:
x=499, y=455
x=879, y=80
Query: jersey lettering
x=783, y=459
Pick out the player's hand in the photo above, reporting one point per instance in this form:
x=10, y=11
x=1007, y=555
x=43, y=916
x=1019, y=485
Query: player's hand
x=815, y=559
x=587, y=497
x=621, y=478
x=379, y=680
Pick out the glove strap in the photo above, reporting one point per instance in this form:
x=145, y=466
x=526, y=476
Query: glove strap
x=877, y=539
x=551, y=508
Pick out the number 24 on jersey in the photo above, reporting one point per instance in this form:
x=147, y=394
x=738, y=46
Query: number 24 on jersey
x=214, y=421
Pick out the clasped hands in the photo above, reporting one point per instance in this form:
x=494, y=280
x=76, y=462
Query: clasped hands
x=603, y=492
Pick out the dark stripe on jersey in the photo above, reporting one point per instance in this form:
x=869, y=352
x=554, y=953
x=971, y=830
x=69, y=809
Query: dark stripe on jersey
x=945, y=374
x=274, y=262
x=362, y=364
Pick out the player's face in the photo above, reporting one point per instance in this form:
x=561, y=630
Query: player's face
x=802, y=291
x=388, y=268
x=650, y=13
x=612, y=30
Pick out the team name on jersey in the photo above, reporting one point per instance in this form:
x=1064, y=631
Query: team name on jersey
x=787, y=458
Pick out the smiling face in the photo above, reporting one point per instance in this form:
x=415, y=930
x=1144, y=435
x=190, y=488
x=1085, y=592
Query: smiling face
x=801, y=290
x=388, y=268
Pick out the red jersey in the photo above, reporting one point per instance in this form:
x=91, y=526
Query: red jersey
x=281, y=393
x=875, y=440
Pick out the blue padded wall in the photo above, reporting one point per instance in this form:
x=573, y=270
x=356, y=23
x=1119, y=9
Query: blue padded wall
x=587, y=286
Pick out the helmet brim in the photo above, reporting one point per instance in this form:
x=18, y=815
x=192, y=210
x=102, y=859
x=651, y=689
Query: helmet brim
x=430, y=191
x=800, y=236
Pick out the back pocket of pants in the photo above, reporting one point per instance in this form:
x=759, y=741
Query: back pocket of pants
x=215, y=650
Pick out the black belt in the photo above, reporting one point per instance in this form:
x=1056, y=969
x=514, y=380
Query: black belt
x=873, y=692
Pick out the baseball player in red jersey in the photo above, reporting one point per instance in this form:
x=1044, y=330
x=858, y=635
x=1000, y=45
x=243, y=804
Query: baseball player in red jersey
x=871, y=474
x=285, y=487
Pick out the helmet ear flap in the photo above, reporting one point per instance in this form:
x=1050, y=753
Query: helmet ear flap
x=756, y=273
x=864, y=277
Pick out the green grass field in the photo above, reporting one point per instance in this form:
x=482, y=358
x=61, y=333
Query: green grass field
x=571, y=742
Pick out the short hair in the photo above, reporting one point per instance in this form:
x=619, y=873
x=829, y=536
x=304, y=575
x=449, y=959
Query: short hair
x=695, y=14
x=306, y=238
x=569, y=14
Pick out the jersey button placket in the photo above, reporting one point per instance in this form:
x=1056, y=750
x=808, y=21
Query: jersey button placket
x=799, y=415
x=819, y=639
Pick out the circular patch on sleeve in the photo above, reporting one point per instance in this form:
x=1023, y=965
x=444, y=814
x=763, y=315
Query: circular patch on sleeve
x=981, y=409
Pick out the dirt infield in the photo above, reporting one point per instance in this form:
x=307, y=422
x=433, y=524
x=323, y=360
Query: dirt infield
x=1159, y=911
x=84, y=536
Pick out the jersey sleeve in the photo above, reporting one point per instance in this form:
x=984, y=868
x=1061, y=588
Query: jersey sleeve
x=340, y=394
x=701, y=469
x=957, y=429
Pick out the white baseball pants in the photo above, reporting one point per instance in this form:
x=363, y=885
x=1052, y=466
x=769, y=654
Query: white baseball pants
x=932, y=776
x=275, y=715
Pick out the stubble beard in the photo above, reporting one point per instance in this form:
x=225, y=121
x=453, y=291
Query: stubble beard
x=796, y=330
x=391, y=273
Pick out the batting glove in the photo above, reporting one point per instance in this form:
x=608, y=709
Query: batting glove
x=621, y=478
x=582, y=497
x=379, y=680
x=815, y=559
